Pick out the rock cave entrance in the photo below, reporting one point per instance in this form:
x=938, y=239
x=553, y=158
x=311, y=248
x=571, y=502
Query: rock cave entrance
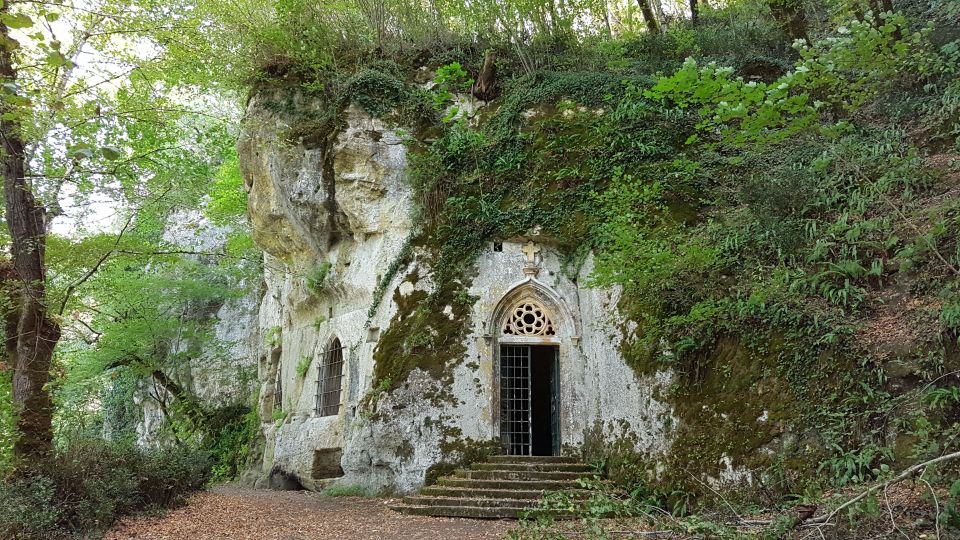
x=530, y=399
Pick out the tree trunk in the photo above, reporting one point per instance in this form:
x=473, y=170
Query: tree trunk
x=485, y=87
x=36, y=333
x=606, y=18
x=648, y=17
x=791, y=16
x=694, y=12
x=659, y=14
x=11, y=315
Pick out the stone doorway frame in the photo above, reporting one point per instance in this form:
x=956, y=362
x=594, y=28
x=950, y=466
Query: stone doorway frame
x=566, y=338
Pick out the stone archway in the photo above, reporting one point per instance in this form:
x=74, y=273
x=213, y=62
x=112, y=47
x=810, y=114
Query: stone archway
x=531, y=331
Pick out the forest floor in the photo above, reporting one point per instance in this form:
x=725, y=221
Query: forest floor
x=239, y=514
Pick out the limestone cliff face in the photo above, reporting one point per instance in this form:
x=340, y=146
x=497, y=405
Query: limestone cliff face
x=331, y=207
x=223, y=374
x=342, y=205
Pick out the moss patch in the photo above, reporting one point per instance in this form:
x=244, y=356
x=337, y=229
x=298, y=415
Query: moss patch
x=460, y=453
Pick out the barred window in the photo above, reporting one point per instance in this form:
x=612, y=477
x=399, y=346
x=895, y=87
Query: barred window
x=330, y=376
x=278, y=392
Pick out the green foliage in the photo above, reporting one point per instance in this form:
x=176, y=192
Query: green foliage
x=90, y=484
x=387, y=278
x=272, y=336
x=747, y=112
x=383, y=385
x=120, y=411
x=951, y=515
x=376, y=92
x=7, y=421
x=232, y=446
x=228, y=198
x=319, y=278
x=303, y=366
x=857, y=466
x=866, y=57
x=450, y=78
x=831, y=76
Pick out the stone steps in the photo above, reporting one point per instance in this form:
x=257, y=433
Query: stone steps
x=518, y=475
x=480, y=502
x=456, y=492
x=461, y=511
x=533, y=459
x=542, y=485
x=502, y=487
x=545, y=467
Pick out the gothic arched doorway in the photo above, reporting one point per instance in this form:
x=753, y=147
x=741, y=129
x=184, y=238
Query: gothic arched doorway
x=529, y=326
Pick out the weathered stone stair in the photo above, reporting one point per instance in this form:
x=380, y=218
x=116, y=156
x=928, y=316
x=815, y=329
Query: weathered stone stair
x=502, y=487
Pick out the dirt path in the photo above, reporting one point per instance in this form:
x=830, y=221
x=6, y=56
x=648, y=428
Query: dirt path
x=235, y=513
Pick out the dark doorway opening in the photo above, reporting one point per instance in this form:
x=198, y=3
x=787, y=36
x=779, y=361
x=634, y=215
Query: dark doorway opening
x=530, y=400
x=542, y=399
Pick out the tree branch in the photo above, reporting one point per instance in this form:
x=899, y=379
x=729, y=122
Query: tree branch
x=93, y=270
x=96, y=267
x=902, y=476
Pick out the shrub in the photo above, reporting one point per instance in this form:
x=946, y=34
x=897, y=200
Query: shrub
x=317, y=280
x=376, y=92
x=272, y=336
x=85, y=487
x=28, y=509
x=303, y=366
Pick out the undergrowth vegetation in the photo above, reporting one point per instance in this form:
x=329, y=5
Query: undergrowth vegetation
x=93, y=482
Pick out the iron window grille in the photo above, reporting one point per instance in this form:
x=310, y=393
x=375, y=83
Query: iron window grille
x=278, y=392
x=515, y=426
x=329, y=380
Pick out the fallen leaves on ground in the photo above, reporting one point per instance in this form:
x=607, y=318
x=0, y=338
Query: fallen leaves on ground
x=239, y=514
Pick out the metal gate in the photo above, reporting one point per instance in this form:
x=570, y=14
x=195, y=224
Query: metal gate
x=555, y=400
x=515, y=427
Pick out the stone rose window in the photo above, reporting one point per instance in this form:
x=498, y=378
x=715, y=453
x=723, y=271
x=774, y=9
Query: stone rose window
x=529, y=318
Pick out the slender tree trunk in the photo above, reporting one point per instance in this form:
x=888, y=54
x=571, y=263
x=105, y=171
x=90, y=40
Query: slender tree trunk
x=554, y=19
x=11, y=315
x=658, y=13
x=694, y=12
x=185, y=400
x=646, y=9
x=606, y=18
x=36, y=333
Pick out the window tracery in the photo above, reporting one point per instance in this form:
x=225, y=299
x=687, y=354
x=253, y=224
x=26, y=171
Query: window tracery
x=529, y=318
